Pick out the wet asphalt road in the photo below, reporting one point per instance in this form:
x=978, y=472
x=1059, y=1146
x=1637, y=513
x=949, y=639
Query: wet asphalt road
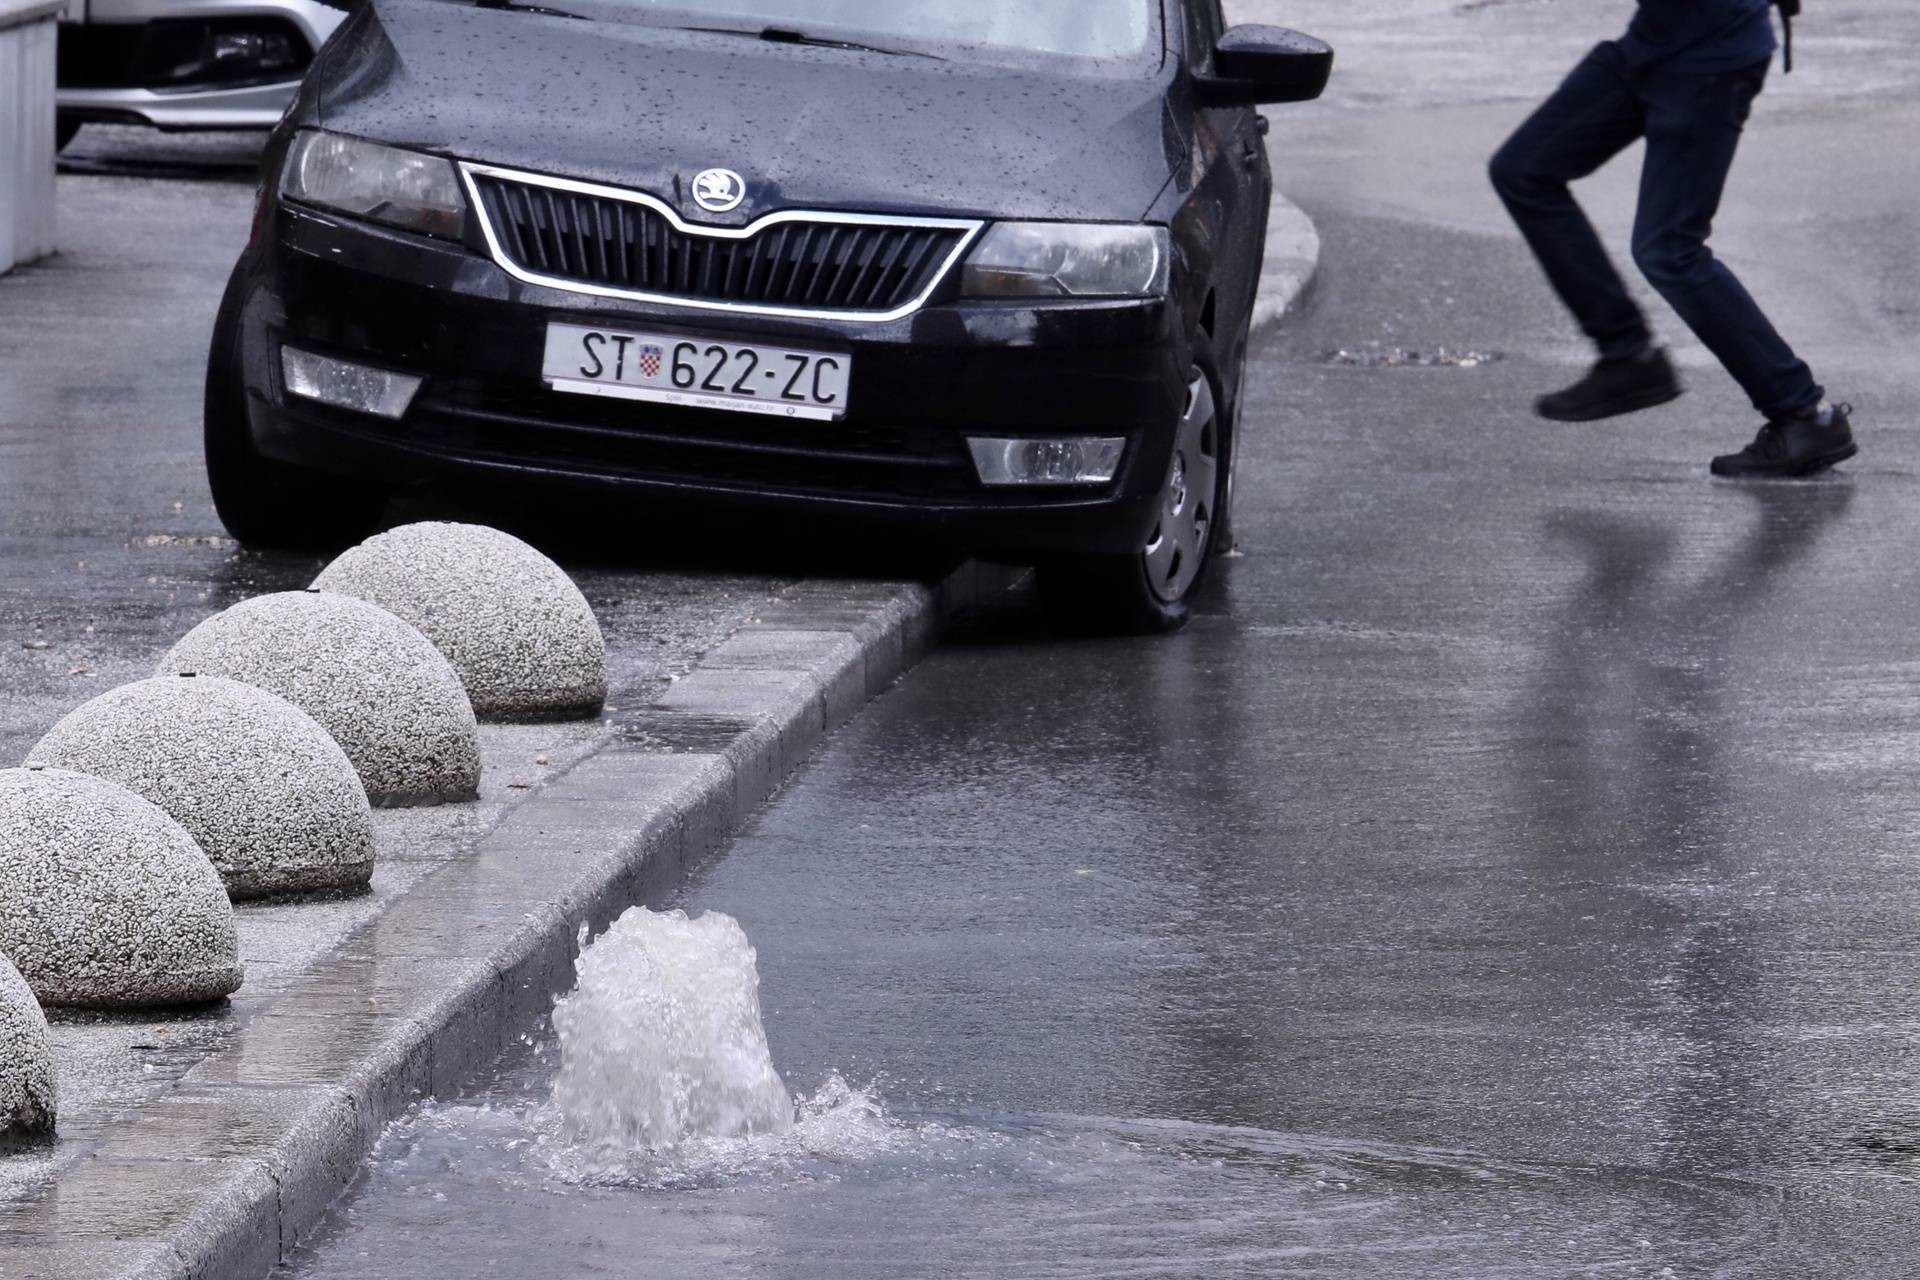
x=1513, y=871
x=1522, y=794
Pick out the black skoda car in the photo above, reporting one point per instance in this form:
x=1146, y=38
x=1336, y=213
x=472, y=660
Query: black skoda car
x=984, y=268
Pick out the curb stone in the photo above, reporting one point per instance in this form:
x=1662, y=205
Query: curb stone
x=226, y=1173
x=1291, y=262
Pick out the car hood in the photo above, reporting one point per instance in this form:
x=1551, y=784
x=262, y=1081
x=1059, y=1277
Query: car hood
x=823, y=128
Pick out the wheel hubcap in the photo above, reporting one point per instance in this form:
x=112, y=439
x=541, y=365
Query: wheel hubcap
x=1178, y=546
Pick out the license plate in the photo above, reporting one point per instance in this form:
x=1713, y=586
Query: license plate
x=699, y=373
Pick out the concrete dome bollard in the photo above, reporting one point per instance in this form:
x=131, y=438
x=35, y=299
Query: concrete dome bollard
x=517, y=630
x=27, y=1094
x=105, y=901
x=373, y=682
x=271, y=799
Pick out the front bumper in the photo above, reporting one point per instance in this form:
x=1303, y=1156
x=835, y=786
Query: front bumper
x=921, y=385
x=149, y=61
x=254, y=107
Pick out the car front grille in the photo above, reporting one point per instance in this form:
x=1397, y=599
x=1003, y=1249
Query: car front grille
x=628, y=244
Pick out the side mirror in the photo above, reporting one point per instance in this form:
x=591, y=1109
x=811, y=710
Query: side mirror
x=1255, y=64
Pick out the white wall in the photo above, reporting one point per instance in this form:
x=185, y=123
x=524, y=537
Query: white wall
x=27, y=34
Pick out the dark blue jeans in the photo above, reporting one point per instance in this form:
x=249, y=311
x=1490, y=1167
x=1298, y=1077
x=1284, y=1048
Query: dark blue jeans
x=1692, y=124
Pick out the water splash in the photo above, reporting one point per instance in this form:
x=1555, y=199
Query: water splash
x=661, y=1042
x=666, y=1081
x=836, y=1130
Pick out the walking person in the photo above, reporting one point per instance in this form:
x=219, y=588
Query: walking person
x=1684, y=77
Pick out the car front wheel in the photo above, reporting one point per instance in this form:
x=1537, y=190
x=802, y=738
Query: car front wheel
x=1150, y=590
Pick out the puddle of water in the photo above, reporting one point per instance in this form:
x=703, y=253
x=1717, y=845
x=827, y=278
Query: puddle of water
x=650, y=1135
x=853, y=1192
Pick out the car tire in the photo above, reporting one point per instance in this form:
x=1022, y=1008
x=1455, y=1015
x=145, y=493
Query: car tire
x=268, y=504
x=63, y=132
x=1151, y=590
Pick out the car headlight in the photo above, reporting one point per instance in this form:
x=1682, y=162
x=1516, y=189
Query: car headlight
x=1068, y=260
x=384, y=184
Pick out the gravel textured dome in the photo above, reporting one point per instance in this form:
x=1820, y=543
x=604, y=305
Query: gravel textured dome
x=271, y=799
x=105, y=901
x=27, y=1100
x=515, y=628
x=373, y=682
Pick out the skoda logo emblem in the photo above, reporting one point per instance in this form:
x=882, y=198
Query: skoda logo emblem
x=719, y=190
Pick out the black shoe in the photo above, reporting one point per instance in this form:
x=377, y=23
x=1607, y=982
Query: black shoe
x=1614, y=387
x=1796, y=446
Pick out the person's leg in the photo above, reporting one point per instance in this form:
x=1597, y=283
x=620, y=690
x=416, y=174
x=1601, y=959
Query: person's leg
x=1693, y=130
x=1591, y=118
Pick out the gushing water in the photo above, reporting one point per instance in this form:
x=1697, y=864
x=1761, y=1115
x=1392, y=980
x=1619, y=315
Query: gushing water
x=661, y=1041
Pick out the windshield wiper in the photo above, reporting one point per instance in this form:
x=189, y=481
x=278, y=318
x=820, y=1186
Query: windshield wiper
x=786, y=35
x=517, y=7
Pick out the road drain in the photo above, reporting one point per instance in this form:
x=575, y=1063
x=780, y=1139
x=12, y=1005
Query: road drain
x=1397, y=358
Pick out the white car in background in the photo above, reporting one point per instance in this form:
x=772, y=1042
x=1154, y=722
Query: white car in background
x=185, y=64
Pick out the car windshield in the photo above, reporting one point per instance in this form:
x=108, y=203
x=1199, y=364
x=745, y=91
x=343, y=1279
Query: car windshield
x=1075, y=28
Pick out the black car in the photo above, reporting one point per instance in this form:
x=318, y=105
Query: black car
x=984, y=268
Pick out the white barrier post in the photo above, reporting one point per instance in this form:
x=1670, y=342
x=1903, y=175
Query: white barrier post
x=27, y=35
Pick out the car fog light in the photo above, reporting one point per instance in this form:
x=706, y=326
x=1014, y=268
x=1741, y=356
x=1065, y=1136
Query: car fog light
x=1049, y=460
x=346, y=385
